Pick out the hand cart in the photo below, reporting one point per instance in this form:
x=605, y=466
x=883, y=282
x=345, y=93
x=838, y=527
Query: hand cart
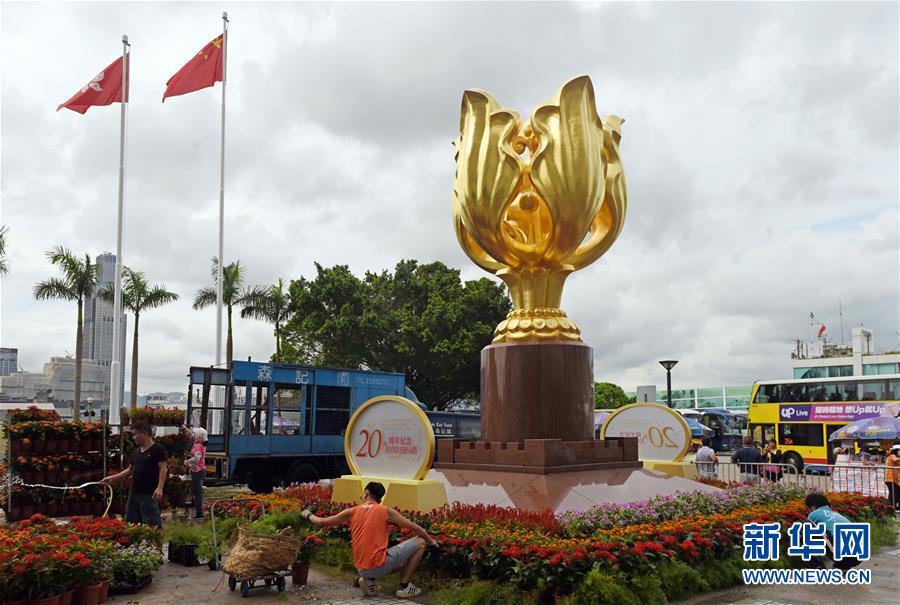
x=216, y=563
x=248, y=584
x=265, y=578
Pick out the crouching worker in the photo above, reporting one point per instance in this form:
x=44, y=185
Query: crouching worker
x=369, y=541
x=821, y=513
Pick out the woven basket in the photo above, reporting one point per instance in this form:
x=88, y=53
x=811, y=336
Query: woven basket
x=257, y=555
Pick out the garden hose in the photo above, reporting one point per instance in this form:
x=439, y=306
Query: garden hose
x=109, y=498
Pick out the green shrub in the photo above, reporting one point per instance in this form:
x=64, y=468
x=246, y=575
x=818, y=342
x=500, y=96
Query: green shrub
x=648, y=589
x=680, y=580
x=602, y=588
x=479, y=592
x=722, y=573
x=884, y=532
x=335, y=553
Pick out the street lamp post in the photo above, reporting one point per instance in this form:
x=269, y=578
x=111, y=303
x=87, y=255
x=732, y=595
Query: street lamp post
x=668, y=364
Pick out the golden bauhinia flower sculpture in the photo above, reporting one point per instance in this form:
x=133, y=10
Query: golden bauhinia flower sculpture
x=533, y=203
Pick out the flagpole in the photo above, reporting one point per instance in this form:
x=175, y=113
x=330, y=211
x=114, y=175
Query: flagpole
x=220, y=269
x=115, y=386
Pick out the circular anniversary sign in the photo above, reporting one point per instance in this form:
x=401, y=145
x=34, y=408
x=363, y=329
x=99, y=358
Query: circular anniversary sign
x=390, y=437
x=662, y=433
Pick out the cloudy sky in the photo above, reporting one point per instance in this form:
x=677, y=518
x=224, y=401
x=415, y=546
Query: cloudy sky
x=760, y=149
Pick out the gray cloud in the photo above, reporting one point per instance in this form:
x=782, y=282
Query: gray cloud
x=760, y=148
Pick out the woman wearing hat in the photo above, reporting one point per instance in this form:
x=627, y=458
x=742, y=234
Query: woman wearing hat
x=892, y=476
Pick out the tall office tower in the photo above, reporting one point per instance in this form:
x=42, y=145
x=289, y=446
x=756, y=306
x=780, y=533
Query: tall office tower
x=9, y=361
x=98, y=326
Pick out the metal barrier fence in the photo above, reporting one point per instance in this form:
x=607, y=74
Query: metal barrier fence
x=747, y=472
x=866, y=480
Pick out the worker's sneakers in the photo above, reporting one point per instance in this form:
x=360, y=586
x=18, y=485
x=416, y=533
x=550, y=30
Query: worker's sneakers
x=367, y=586
x=409, y=592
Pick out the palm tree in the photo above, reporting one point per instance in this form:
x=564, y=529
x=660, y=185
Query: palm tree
x=270, y=304
x=137, y=296
x=4, y=265
x=79, y=282
x=231, y=296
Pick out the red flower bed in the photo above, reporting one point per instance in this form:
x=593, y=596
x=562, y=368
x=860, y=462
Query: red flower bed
x=40, y=558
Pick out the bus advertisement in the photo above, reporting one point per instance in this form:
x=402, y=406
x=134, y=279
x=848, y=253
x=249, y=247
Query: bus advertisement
x=800, y=414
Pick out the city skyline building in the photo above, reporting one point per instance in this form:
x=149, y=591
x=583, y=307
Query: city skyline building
x=56, y=383
x=98, y=327
x=9, y=361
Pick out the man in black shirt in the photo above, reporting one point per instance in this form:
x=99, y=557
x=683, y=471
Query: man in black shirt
x=750, y=454
x=148, y=475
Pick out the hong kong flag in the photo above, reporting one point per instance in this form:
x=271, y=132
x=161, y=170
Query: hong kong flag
x=104, y=89
x=204, y=70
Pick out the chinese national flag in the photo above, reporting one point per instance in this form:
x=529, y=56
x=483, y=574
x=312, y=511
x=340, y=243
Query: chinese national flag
x=821, y=330
x=204, y=70
x=104, y=89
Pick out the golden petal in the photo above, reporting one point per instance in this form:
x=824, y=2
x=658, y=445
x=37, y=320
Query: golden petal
x=568, y=170
x=487, y=170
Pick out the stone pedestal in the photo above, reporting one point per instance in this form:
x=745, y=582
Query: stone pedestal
x=537, y=415
x=537, y=390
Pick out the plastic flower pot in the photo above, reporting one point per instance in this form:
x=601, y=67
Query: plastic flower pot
x=66, y=598
x=51, y=446
x=299, y=574
x=54, y=600
x=104, y=591
x=39, y=446
x=87, y=595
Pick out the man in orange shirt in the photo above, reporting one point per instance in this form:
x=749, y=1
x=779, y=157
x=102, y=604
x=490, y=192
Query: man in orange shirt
x=369, y=539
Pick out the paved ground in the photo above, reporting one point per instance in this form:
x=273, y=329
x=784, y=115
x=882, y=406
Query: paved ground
x=884, y=590
x=190, y=585
x=176, y=584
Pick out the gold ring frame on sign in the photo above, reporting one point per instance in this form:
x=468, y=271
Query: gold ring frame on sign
x=681, y=421
x=420, y=415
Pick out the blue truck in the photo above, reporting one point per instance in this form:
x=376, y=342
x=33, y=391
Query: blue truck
x=274, y=424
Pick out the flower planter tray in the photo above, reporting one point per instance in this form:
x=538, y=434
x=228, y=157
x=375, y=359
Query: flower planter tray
x=126, y=588
x=184, y=555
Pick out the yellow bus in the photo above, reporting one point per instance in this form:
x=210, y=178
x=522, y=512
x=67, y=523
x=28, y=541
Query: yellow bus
x=801, y=414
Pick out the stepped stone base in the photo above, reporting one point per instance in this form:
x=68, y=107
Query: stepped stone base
x=537, y=456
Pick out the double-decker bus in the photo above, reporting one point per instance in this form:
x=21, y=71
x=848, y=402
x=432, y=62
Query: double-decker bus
x=801, y=414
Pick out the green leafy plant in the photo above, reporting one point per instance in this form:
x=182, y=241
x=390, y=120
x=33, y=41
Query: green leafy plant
x=182, y=534
x=133, y=564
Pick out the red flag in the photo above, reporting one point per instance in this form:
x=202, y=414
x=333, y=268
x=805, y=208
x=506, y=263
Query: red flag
x=821, y=330
x=104, y=89
x=204, y=70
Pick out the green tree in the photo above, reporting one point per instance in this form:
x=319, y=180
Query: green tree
x=79, y=281
x=272, y=305
x=137, y=296
x=421, y=320
x=4, y=264
x=609, y=396
x=232, y=297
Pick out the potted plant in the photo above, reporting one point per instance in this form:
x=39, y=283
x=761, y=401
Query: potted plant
x=183, y=541
x=300, y=568
x=133, y=567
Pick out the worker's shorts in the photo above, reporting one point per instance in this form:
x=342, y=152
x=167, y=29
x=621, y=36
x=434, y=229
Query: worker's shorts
x=142, y=508
x=397, y=556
